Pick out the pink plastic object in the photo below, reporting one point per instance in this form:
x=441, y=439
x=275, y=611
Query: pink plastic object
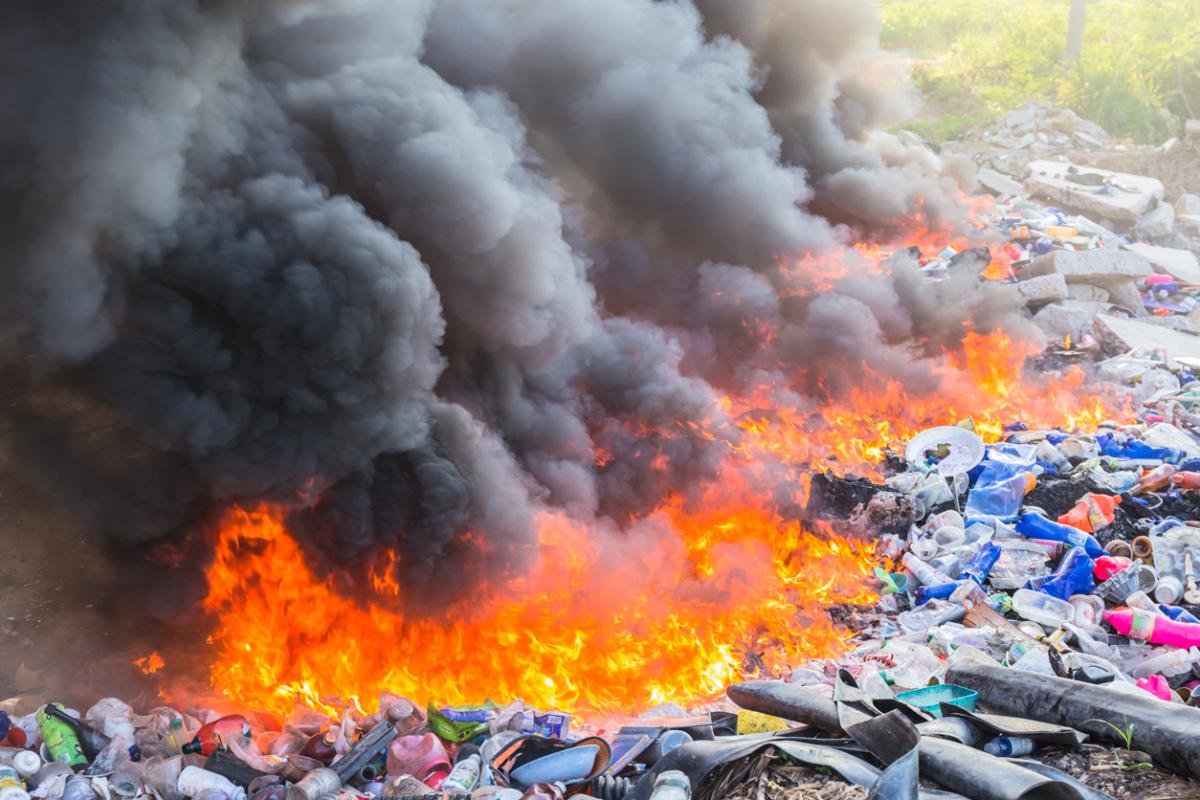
x=1156, y=685
x=422, y=756
x=1107, y=566
x=1138, y=624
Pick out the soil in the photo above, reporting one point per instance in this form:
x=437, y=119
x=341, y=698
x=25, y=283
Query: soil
x=61, y=636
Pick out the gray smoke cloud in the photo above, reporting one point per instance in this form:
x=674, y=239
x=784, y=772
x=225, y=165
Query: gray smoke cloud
x=416, y=269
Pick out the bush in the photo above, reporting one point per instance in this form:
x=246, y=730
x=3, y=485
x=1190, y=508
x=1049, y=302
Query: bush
x=1139, y=73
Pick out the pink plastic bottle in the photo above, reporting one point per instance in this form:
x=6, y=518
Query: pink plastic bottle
x=422, y=756
x=1139, y=624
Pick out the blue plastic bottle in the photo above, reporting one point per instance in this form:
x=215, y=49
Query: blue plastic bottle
x=938, y=591
x=1073, y=576
x=1178, y=614
x=982, y=563
x=1035, y=526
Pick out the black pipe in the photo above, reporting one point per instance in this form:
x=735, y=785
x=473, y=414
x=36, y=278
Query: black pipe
x=1167, y=731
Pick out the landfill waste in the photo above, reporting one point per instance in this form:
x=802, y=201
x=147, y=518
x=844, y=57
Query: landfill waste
x=1042, y=595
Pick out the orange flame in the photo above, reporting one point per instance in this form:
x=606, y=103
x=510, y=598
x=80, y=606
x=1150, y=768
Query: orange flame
x=710, y=589
x=150, y=664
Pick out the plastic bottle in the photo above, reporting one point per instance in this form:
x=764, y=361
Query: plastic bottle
x=419, y=755
x=1168, y=590
x=320, y=746
x=464, y=776
x=671, y=785
x=1035, y=526
x=1186, y=481
x=1178, y=614
x=1010, y=746
x=1073, y=576
x=194, y=780
x=1157, y=479
x=930, y=615
x=1088, y=609
x=979, y=566
x=926, y=574
x=1001, y=499
x=12, y=786
x=78, y=787
x=939, y=592
x=1092, y=512
x=91, y=740
x=1043, y=609
x=1049, y=454
x=61, y=742
x=25, y=762
x=213, y=735
x=1138, y=624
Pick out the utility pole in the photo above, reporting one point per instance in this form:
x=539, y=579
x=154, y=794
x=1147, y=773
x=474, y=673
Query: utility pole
x=1075, y=30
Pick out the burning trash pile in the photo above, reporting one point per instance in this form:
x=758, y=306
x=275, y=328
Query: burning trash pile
x=500, y=361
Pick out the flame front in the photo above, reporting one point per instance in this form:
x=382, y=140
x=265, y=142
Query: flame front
x=711, y=588
x=693, y=598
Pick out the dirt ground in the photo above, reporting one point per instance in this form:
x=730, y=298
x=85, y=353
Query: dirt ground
x=61, y=636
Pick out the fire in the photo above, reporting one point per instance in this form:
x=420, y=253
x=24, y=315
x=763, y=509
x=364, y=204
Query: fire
x=710, y=589
x=150, y=664
x=673, y=612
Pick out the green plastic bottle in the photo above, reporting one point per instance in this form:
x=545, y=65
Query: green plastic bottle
x=61, y=741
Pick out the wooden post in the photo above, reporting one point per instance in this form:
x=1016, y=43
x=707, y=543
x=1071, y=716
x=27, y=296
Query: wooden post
x=1075, y=25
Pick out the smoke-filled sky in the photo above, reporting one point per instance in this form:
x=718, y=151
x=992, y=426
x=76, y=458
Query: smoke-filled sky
x=417, y=268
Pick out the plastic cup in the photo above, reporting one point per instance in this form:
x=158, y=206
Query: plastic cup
x=1114, y=590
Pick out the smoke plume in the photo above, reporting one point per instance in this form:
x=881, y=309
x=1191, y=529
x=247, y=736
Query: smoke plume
x=415, y=269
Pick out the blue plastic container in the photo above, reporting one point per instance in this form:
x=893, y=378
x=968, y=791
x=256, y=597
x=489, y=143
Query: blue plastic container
x=930, y=698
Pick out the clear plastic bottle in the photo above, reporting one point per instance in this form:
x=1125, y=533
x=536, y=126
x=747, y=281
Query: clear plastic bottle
x=925, y=573
x=1042, y=608
x=930, y=615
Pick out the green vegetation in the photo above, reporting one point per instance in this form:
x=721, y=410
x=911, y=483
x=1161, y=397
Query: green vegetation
x=1139, y=74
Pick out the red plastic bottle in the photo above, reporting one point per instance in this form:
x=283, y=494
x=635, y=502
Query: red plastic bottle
x=1187, y=481
x=213, y=735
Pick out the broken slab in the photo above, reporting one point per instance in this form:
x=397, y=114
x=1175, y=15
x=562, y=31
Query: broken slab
x=1041, y=289
x=1181, y=265
x=1087, y=292
x=1114, y=195
x=997, y=183
x=1103, y=267
x=1157, y=223
x=1068, y=318
x=1120, y=335
x=1126, y=295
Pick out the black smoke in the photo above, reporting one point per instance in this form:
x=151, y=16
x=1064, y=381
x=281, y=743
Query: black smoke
x=416, y=269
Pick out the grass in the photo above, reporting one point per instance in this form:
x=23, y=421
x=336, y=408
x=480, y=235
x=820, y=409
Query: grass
x=1139, y=75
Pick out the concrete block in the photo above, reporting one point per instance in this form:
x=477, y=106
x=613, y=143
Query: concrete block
x=1179, y=264
x=1068, y=318
x=1042, y=289
x=1156, y=223
x=997, y=183
x=1102, y=267
x=1087, y=292
x=1126, y=295
x=1119, y=335
x=1126, y=199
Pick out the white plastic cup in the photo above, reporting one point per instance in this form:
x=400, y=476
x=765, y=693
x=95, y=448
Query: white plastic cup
x=949, y=536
